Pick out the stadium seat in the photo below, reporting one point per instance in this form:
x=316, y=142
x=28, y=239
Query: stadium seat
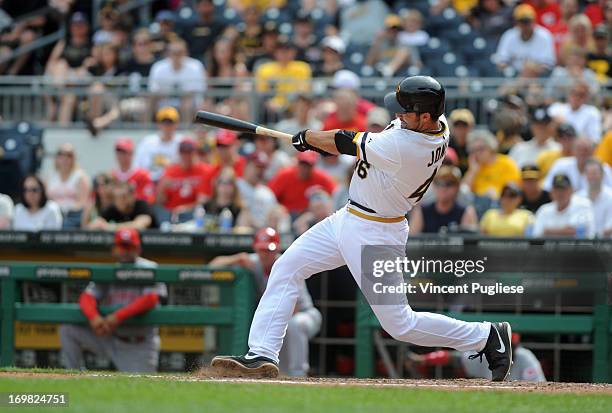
x=434, y=50
x=21, y=151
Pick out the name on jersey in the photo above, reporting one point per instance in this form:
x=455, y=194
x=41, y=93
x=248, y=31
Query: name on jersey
x=438, y=154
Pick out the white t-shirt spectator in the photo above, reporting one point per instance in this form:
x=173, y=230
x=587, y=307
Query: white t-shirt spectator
x=47, y=217
x=6, y=211
x=569, y=166
x=526, y=153
x=586, y=120
x=155, y=155
x=578, y=214
x=413, y=39
x=512, y=50
x=602, y=209
x=191, y=77
x=362, y=20
x=66, y=193
x=259, y=200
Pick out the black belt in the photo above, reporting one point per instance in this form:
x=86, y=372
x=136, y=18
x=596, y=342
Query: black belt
x=366, y=209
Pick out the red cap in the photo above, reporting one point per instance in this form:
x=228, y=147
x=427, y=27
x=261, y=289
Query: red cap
x=226, y=137
x=259, y=158
x=124, y=144
x=308, y=157
x=127, y=238
x=266, y=239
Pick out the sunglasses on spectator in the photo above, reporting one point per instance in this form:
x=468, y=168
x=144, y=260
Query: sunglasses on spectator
x=32, y=189
x=445, y=184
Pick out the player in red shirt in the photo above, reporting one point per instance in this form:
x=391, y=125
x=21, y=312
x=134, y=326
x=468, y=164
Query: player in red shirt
x=346, y=116
x=226, y=154
x=137, y=177
x=293, y=185
x=185, y=183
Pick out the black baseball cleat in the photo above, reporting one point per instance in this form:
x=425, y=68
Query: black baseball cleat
x=498, y=351
x=249, y=365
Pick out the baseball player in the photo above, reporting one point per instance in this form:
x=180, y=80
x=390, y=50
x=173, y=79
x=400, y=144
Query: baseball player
x=305, y=322
x=130, y=348
x=394, y=168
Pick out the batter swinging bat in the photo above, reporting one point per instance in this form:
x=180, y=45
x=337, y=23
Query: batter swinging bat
x=226, y=122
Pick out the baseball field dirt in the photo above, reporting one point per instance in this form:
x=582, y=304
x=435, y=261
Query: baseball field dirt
x=115, y=392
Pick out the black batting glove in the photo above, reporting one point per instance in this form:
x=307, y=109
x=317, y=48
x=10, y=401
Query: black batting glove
x=299, y=141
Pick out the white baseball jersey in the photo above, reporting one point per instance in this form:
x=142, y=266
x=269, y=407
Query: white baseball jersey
x=395, y=167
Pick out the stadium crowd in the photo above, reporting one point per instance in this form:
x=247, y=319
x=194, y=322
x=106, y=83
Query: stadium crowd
x=542, y=167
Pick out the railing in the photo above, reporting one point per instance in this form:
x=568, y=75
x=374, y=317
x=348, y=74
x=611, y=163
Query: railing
x=29, y=97
x=233, y=316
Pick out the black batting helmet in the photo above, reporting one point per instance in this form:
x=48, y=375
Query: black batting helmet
x=420, y=94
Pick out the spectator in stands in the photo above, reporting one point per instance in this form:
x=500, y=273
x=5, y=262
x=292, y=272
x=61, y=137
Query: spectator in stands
x=185, y=183
x=580, y=36
x=292, y=185
x=155, y=152
x=166, y=34
x=377, y=120
x=560, y=30
x=548, y=12
x=412, y=34
x=224, y=61
x=69, y=61
x=445, y=213
x=533, y=194
x=600, y=197
x=24, y=29
x=526, y=153
x=604, y=149
x=300, y=115
x=204, y=31
x=283, y=76
x=596, y=10
x=305, y=39
x=488, y=171
x=35, y=212
x=109, y=20
x=336, y=165
x=269, y=43
x=102, y=198
x=69, y=185
x=333, y=48
x=305, y=322
x=130, y=348
x=256, y=196
x=600, y=60
x=347, y=80
x=226, y=154
x=527, y=48
x=361, y=20
x=569, y=215
x=6, y=211
x=248, y=36
x=346, y=116
x=141, y=59
x=507, y=220
x=178, y=74
x=565, y=137
x=277, y=158
x=320, y=206
x=491, y=18
x=388, y=53
x=461, y=122
x=574, y=166
x=226, y=197
x=139, y=178
x=126, y=211
x=585, y=118
x=575, y=70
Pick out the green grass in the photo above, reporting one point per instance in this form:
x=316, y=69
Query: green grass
x=151, y=395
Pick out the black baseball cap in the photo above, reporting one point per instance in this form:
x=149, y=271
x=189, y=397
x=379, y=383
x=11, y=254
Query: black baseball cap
x=565, y=129
x=561, y=181
x=540, y=115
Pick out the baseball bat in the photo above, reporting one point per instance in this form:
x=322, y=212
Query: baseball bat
x=227, y=122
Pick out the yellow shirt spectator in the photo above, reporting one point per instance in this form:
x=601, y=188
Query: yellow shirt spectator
x=292, y=77
x=491, y=178
x=546, y=159
x=604, y=149
x=495, y=222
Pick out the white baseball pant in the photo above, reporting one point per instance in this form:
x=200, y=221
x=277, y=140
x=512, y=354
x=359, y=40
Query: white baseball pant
x=334, y=242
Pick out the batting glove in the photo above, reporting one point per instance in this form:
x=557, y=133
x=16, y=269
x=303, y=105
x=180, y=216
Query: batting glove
x=299, y=141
